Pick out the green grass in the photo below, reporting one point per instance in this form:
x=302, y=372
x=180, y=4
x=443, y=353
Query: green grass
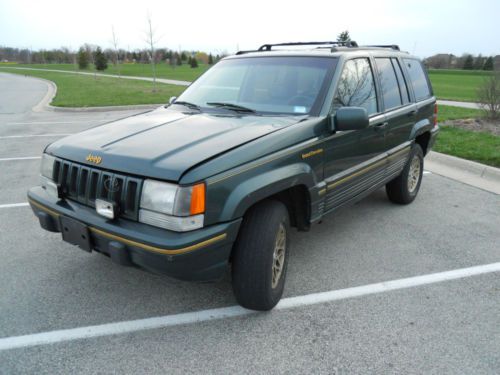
x=85, y=91
x=459, y=85
x=446, y=113
x=478, y=146
x=183, y=72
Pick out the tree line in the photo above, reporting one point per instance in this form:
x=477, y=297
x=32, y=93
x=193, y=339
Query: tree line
x=466, y=62
x=65, y=55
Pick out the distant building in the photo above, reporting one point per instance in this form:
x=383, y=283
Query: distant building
x=496, y=62
x=443, y=61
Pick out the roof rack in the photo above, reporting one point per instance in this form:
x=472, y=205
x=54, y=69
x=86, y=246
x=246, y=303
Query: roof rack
x=333, y=46
x=268, y=47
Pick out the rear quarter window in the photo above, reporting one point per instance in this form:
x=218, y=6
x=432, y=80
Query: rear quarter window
x=418, y=79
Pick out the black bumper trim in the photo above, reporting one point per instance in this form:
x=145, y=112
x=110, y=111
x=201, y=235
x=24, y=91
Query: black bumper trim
x=140, y=245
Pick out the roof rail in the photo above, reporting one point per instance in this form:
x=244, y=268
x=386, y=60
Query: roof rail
x=391, y=46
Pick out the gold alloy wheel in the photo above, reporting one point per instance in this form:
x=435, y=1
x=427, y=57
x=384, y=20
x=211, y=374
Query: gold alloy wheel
x=414, y=174
x=279, y=255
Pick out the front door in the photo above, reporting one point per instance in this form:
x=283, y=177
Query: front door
x=355, y=160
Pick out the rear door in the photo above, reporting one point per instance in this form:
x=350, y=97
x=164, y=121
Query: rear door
x=399, y=110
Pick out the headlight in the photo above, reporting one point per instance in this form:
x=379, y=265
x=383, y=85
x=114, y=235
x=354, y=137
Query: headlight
x=47, y=167
x=47, y=176
x=169, y=206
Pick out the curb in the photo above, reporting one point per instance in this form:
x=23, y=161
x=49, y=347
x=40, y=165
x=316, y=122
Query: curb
x=478, y=169
x=468, y=172
x=44, y=104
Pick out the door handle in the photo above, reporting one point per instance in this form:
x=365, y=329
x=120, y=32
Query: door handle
x=381, y=126
x=412, y=113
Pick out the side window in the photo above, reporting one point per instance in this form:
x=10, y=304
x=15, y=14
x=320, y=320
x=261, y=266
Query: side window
x=356, y=87
x=405, y=95
x=389, y=83
x=418, y=79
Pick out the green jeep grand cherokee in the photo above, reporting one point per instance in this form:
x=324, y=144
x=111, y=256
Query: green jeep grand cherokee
x=264, y=141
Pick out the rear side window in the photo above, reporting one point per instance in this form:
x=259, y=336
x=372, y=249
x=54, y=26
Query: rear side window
x=389, y=83
x=418, y=79
x=405, y=96
x=356, y=86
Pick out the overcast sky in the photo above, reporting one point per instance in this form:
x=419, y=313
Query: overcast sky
x=423, y=27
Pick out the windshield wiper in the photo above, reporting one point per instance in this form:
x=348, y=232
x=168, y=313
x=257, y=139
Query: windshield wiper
x=188, y=104
x=231, y=106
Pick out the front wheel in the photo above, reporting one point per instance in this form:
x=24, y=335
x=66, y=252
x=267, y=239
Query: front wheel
x=260, y=256
x=404, y=188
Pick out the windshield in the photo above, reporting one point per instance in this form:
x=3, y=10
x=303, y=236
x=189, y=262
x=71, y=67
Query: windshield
x=281, y=85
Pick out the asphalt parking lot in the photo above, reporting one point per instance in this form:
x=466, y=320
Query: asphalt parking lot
x=441, y=327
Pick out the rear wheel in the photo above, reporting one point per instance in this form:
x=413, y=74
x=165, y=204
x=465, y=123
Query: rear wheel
x=404, y=188
x=260, y=256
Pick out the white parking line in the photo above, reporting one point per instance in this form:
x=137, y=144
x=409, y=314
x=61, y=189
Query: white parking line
x=35, y=135
x=49, y=122
x=14, y=205
x=52, y=337
x=21, y=158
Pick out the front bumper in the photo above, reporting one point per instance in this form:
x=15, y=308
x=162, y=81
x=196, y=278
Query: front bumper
x=200, y=255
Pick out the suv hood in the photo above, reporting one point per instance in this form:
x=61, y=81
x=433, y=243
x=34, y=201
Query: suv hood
x=164, y=143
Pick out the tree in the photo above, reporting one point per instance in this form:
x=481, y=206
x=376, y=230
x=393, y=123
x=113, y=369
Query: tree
x=478, y=62
x=193, y=63
x=210, y=59
x=468, y=63
x=114, y=41
x=489, y=95
x=488, y=65
x=83, y=58
x=344, y=37
x=100, y=60
x=152, y=39
x=178, y=59
x=183, y=56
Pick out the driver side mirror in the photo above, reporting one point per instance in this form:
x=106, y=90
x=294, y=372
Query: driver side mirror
x=172, y=99
x=349, y=118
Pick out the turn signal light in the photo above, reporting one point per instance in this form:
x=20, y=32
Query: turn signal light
x=198, y=199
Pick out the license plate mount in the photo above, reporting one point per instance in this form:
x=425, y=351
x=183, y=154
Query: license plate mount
x=76, y=233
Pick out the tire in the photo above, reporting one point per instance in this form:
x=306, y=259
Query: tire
x=404, y=188
x=253, y=263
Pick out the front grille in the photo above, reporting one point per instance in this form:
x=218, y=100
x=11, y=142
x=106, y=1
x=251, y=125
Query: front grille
x=84, y=184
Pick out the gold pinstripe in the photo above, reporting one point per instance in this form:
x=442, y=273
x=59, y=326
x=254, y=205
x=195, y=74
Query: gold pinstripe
x=366, y=169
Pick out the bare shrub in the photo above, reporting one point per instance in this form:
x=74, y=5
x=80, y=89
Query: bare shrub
x=489, y=95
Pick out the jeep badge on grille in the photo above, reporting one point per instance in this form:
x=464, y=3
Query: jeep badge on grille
x=93, y=159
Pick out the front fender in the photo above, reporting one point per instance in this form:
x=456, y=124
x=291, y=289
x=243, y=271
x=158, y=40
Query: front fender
x=264, y=185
